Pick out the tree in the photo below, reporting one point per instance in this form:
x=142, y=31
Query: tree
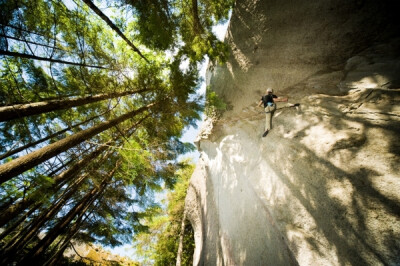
x=187, y=26
x=159, y=244
x=20, y=165
x=33, y=144
x=113, y=26
x=71, y=112
x=29, y=109
x=58, y=181
x=28, y=56
x=78, y=209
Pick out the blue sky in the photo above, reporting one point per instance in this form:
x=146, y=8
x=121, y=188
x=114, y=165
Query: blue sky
x=191, y=133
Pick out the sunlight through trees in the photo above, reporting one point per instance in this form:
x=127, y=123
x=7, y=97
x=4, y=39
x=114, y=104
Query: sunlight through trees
x=93, y=101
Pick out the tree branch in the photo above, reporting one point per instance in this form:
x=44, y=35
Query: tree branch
x=113, y=26
x=22, y=55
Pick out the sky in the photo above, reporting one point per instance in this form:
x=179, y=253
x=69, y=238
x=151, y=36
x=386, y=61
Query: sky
x=191, y=133
x=189, y=136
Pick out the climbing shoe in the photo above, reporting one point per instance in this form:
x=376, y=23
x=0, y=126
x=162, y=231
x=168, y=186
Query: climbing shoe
x=265, y=133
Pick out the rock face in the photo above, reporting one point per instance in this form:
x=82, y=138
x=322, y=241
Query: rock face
x=323, y=188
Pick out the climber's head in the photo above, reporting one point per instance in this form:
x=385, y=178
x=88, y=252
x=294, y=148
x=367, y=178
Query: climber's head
x=269, y=90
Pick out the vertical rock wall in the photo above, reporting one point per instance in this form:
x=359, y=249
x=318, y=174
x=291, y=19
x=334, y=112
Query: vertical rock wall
x=323, y=187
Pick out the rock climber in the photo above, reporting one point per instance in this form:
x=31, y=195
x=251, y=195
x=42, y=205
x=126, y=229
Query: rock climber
x=269, y=101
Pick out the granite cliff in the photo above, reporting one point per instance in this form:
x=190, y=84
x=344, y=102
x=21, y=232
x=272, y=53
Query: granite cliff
x=323, y=187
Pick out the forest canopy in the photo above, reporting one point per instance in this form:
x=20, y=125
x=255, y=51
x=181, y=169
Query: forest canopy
x=94, y=97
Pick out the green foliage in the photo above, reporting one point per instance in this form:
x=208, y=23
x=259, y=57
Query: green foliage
x=141, y=151
x=186, y=26
x=152, y=14
x=137, y=161
x=214, y=104
x=158, y=245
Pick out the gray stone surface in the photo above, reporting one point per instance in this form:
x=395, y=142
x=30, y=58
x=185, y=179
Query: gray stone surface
x=323, y=188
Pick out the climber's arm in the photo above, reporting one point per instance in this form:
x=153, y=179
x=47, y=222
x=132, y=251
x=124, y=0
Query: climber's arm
x=280, y=99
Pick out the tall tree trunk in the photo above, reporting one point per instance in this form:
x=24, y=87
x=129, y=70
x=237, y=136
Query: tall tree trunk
x=6, y=203
x=57, y=256
x=31, y=42
x=11, y=212
x=77, y=209
x=181, y=236
x=113, y=26
x=26, y=162
x=67, y=240
x=12, y=247
x=33, y=144
x=25, y=235
x=21, y=205
x=22, y=110
x=19, y=221
x=197, y=27
x=34, y=57
x=52, y=171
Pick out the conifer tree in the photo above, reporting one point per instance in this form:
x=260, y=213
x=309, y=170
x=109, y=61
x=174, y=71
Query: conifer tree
x=159, y=244
x=29, y=109
x=89, y=130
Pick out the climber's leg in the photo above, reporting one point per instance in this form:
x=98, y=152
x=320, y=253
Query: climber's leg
x=268, y=118
x=269, y=113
